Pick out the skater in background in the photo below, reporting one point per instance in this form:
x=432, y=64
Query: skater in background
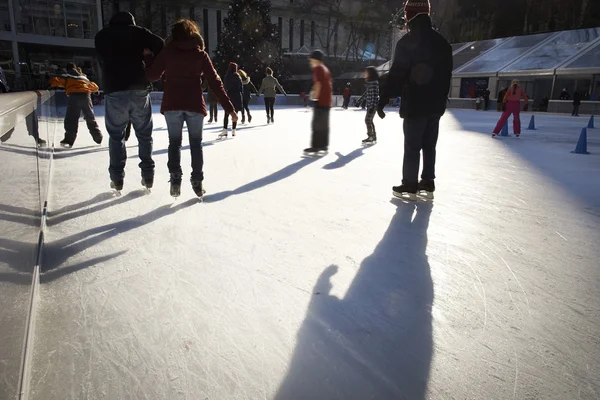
x=213, y=104
x=372, y=101
x=248, y=88
x=486, y=99
x=564, y=95
x=120, y=48
x=78, y=88
x=321, y=95
x=3, y=82
x=500, y=99
x=512, y=105
x=576, y=104
x=235, y=89
x=347, y=96
x=269, y=87
x=183, y=61
x=421, y=72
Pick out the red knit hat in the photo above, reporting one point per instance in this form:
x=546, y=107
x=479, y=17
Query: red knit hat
x=416, y=7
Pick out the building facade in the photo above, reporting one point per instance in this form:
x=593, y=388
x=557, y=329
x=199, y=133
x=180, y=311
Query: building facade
x=38, y=37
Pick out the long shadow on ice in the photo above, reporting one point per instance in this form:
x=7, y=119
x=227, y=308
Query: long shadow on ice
x=262, y=182
x=344, y=160
x=376, y=342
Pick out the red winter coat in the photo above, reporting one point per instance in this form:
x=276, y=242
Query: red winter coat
x=184, y=63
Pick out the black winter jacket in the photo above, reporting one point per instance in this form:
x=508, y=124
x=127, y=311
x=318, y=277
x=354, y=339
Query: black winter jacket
x=421, y=72
x=234, y=88
x=120, y=48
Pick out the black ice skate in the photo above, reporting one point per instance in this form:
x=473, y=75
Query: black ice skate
x=404, y=192
x=315, y=151
x=148, y=183
x=249, y=118
x=197, y=187
x=370, y=140
x=98, y=138
x=175, y=185
x=66, y=144
x=117, y=186
x=426, y=189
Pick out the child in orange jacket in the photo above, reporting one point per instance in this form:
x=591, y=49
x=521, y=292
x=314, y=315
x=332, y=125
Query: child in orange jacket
x=78, y=88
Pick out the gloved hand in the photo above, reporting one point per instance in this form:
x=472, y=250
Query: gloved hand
x=381, y=113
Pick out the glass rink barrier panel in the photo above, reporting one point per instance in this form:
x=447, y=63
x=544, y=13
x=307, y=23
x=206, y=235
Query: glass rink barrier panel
x=27, y=127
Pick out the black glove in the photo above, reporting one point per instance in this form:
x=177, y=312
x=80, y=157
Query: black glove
x=381, y=113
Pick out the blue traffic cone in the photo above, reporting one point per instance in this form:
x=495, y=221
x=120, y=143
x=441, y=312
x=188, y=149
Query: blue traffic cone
x=591, y=123
x=504, y=131
x=532, y=123
x=582, y=143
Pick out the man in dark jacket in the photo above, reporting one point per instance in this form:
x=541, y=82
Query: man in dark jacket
x=420, y=74
x=120, y=48
x=576, y=104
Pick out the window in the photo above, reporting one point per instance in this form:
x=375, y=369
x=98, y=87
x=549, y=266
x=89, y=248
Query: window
x=301, y=33
x=291, y=34
x=205, y=23
x=218, y=27
x=312, y=34
x=192, y=14
x=280, y=28
x=4, y=16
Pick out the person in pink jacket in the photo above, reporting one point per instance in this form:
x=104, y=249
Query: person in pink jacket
x=512, y=105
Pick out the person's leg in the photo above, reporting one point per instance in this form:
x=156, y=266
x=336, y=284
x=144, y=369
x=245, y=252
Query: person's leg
x=267, y=108
x=226, y=121
x=247, y=107
x=175, y=121
x=141, y=119
x=320, y=135
x=72, y=119
x=195, y=122
x=516, y=111
x=90, y=119
x=243, y=111
x=116, y=119
x=429, y=148
x=234, y=123
x=272, y=107
x=502, y=120
x=369, y=122
x=414, y=129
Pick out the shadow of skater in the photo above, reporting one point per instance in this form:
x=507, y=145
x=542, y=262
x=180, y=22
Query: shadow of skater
x=345, y=160
x=262, y=182
x=376, y=342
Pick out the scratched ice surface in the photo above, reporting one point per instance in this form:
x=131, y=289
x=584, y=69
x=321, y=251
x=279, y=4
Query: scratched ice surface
x=300, y=278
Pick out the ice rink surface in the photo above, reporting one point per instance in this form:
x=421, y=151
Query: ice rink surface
x=301, y=278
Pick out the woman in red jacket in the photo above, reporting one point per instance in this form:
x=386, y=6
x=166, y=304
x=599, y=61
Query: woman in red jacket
x=184, y=62
x=512, y=105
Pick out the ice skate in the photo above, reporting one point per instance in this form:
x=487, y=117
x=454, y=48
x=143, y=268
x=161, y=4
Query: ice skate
x=98, y=138
x=148, y=183
x=66, y=144
x=175, y=186
x=425, y=189
x=243, y=120
x=223, y=135
x=233, y=132
x=371, y=140
x=198, y=189
x=117, y=186
x=403, y=192
x=249, y=118
x=315, y=151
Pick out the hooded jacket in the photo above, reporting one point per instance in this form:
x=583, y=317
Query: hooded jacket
x=421, y=72
x=235, y=89
x=120, y=48
x=74, y=82
x=269, y=86
x=183, y=64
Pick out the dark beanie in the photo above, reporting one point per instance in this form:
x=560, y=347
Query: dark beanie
x=414, y=8
x=71, y=66
x=317, y=55
x=233, y=67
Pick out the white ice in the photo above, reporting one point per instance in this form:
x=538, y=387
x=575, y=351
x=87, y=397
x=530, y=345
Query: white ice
x=301, y=278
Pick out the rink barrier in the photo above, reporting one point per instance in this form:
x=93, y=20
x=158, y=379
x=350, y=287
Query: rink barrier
x=581, y=147
x=26, y=118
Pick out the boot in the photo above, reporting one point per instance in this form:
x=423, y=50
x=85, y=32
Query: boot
x=405, y=192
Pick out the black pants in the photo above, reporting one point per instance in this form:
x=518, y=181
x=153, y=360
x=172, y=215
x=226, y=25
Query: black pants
x=246, y=109
x=420, y=134
x=320, y=128
x=270, y=106
x=78, y=103
x=346, y=102
x=369, y=122
x=575, y=112
x=213, y=111
x=226, y=122
x=486, y=104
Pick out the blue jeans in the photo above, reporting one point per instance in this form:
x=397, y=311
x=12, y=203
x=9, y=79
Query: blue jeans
x=122, y=107
x=194, y=122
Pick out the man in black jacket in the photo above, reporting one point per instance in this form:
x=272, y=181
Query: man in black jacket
x=420, y=75
x=120, y=48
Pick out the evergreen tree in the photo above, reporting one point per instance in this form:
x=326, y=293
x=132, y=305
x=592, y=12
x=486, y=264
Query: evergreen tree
x=250, y=39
